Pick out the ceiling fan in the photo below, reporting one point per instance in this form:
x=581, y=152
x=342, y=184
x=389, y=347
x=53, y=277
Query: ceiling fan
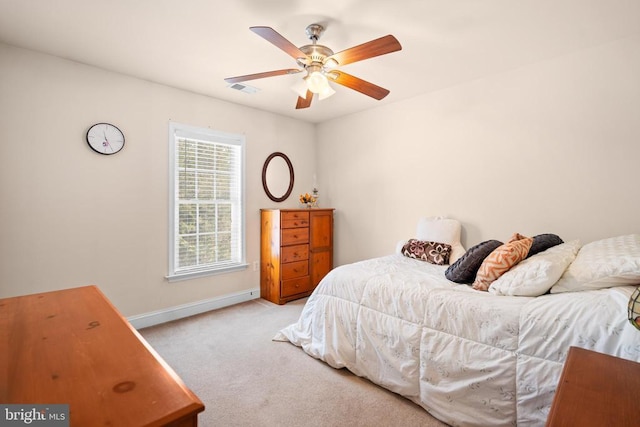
x=319, y=62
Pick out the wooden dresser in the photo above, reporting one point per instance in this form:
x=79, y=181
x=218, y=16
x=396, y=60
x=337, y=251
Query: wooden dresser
x=596, y=390
x=73, y=347
x=296, y=252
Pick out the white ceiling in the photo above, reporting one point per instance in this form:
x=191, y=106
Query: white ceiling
x=195, y=44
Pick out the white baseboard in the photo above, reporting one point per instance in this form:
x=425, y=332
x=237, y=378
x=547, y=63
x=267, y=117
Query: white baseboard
x=185, y=310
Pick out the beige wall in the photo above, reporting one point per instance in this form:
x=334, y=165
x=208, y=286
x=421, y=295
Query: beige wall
x=70, y=217
x=550, y=147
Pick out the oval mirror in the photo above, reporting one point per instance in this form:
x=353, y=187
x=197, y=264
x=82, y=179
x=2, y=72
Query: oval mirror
x=277, y=177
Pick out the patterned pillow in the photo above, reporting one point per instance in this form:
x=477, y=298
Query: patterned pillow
x=501, y=260
x=465, y=268
x=542, y=242
x=432, y=252
x=535, y=275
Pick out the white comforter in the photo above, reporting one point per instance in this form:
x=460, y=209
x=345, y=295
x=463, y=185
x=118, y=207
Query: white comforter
x=467, y=357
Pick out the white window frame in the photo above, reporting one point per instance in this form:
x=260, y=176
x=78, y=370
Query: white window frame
x=176, y=131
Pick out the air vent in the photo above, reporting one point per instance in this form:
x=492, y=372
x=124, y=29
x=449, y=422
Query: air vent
x=244, y=88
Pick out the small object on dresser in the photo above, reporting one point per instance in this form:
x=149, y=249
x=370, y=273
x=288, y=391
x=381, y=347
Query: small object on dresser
x=307, y=200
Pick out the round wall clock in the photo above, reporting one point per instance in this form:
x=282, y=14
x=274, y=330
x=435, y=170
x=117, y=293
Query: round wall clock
x=105, y=138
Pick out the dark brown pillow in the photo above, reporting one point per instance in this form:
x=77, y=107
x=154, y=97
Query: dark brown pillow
x=432, y=252
x=464, y=270
x=542, y=242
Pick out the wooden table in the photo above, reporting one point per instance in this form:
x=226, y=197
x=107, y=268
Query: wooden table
x=73, y=347
x=596, y=389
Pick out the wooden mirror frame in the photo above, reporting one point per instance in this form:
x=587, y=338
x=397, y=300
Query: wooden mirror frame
x=264, y=177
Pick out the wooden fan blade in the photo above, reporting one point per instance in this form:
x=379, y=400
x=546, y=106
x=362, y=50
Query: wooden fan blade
x=272, y=36
x=358, y=84
x=261, y=75
x=377, y=47
x=304, y=102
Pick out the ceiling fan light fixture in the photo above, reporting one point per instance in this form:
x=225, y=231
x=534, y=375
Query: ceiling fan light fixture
x=317, y=82
x=326, y=92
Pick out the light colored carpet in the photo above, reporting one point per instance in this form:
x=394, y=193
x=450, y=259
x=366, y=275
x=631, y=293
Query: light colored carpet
x=244, y=378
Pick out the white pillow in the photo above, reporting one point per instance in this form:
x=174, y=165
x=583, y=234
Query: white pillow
x=534, y=276
x=441, y=230
x=603, y=264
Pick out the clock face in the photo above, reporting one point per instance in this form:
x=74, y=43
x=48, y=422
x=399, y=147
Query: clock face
x=105, y=138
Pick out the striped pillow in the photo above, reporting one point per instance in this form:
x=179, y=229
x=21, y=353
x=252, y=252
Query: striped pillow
x=501, y=260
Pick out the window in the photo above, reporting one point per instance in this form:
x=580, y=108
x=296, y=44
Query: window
x=207, y=202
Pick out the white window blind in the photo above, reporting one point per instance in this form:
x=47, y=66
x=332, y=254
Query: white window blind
x=207, y=202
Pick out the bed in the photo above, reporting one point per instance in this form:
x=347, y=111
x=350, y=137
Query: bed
x=470, y=357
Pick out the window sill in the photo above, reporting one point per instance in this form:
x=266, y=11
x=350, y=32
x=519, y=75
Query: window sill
x=177, y=277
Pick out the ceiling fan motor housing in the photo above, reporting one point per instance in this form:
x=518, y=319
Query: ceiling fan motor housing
x=316, y=52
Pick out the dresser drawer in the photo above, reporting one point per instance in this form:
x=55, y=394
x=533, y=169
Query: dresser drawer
x=296, y=286
x=295, y=236
x=295, y=269
x=295, y=253
x=294, y=219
